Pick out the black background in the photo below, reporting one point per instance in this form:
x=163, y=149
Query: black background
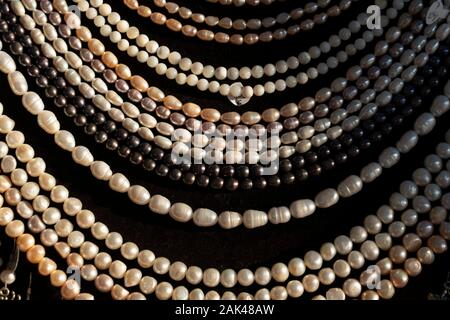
x=214, y=247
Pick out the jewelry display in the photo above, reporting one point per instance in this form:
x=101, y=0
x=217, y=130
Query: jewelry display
x=278, y=159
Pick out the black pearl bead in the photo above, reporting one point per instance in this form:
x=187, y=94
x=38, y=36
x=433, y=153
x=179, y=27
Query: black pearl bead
x=145, y=148
x=346, y=139
x=288, y=178
x=162, y=170
x=185, y=167
x=198, y=169
x=70, y=110
x=228, y=171
x=112, y=144
x=260, y=183
x=315, y=170
x=203, y=181
x=156, y=154
x=150, y=165
x=213, y=170
x=353, y=151
x=124, y=151
x=340, y=158
x=231, y=184
x=256, y=171
x=69, y=92
x=301, y=174
x=285, y=165
x=51, y=92
x=311, y=157
x=328, y=164
x=42, y=81
x=216, y=183
x=33, y=71
x=274, y=181
x=109, y=126
x=133, y=141
x=242, y=171
x=88, y=111
x=25, y=60
x=121, y=134
x=16, y=48
x=90, y=129
x=246, y=184
x=101, y=137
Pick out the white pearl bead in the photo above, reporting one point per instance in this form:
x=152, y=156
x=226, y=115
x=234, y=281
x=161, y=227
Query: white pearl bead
x=159, y=204
x=18, y=83
x=101, y=170
x=48, y=121
x=82, y=156
x=65, y=140
x=7, y=64
x=139, y=195
x=119, y=183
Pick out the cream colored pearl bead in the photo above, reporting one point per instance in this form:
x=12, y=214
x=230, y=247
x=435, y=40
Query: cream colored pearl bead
x=18, y=83
x=25, y=153
x=129, y=251
x=177, y=271
x=114, y=241
x=311, y=283
x=82, y=156
x=89, y=272
x=19, y=177
x=159, y=204
x=8, y=164
x=63, y=228
x=196, y=295
x=7, y=64
x=46, y=266
x=72, y=206
x=103, y=261
x=25, y=242
x=58, y=278
x=6, y=124
x=194, y=275
x=75, y=239
x=263, y=276
x=104, y=283
x=164, y=291
x=49, y=237
x=15, y=228
x=327, y=276
x=48, y=121
x=352, y=288
x=36, y=167
x=280, y=272
x=35, y=254
x=70, y=289
x=119, y=293
x=32, y=102
x=14, y=139
x=59, y=194
x=65, y=140
x=278, y=293
x=99, y=230
x=74, y=260
x=117, y=269
x=89, y=250
x=30, y=190
x=132, y=278
x=161, y=265
x=101, y=170
x=85, y=219
x=228, y=278
x=119, y=183
x=386, y=290
x=139, y=195
x=6, y=216
x=63, y=249
x=295, y=289
x=148, y=285
x=146, y=259
x=211, y=277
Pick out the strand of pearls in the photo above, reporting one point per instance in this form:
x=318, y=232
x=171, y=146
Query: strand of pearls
x=204, y=217
x=342, y=245
x=240, y=3
x=188, y=30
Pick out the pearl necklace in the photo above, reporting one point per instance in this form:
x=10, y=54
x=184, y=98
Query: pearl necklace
x=239, y=24
x=206, y=217
x=343, y=245
x=166, y=129
x=234, y=90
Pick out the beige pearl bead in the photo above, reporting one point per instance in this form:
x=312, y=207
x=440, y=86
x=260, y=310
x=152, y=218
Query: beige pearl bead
x=386, y=290
x=6, y=124
x=370, y=295
x=104, y=283
x=59, y=194
x=58, y=278
x=70, y=289
x=164, y=291
x=13, y=197
x=341, y=268
x=82, y=156
x=96, y=47
x=399, y=278
x=7, y=64
x=6, y=216
x=14, y=139
x=89, y=272
x=19, y=177
x=89, y=250
x=8, y=164
x=117, y=269
x=211, y=277
x=35, y=254
x=110, y=59
x=294, y=289
x=311, y=283
x=352, y=288
x=413, y=267
x=148, y=285
x=32, y=102
x=49, y=237
x=280, y=272
x=25, y=242
x=72, y=206
x=103, y=261
x=119, y=293
x=46, y=266
x=47, y=181
x=132, y=278
x=18, y=83
x=75, y=260
x=15, y=228
x=326, y=276
x=48, y=121
x=119, y=183
x=36, y=167
x=139, y=195
x=63, y=249
x=129, y=251
x=194, y=275
x=278, y=293
x=30, y=190
x=177, y=271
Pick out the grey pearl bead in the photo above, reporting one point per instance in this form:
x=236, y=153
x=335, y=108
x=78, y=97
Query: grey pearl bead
x=338, y=84
x=398, y=202
x=409, y=217
x=327, y=198
x=395, y=70
x=385, y=214
x=368, y=95
x=443, y=179
x=421, y=204
x=381, y=83
x=424, y=124
x=443, y=150
x=372, y=224
x=438, y=215
x=445, y=201
x=433, y=163
x=396, y=85
x=370, y=172
x=444, y=230
x=350, y=123
x=368, y=111
x=389, y=157
x=409, y=189
x=396, y=229
x=358, y=234
x=383, y=241
x=433, y=192
x=409, y=73
x=422, y=177
x=350, y=186
x=338, y=116
x=343, y=245
x=424, y=229
x=384, y=98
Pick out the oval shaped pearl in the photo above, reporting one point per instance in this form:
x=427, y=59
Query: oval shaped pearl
x=254, y=219
x=302, y=208
x=101, y=170
x=205, y=217
x=7, y=64
x=229, y=219
x=350, y=186
x=181, y=212
x=139, y=195
x=65, y=140
x=33, y=103
x=424, y=124
x=370, y=172
x=48, y=121
x=82, y=155
x=279, y=215
x=18, y=83
x=159, y=204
